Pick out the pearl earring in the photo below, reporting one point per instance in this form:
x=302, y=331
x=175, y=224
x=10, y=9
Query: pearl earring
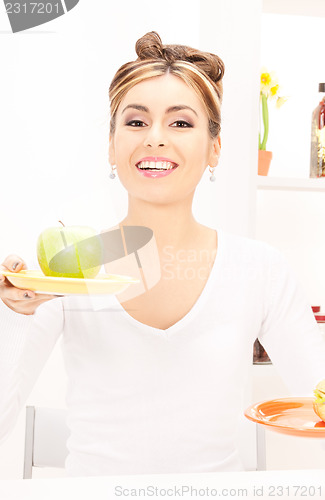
x=112, y=175
x=212, y=177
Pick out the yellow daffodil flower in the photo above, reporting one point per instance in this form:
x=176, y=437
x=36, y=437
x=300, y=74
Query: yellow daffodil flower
x=280, y=101
x=269, y=89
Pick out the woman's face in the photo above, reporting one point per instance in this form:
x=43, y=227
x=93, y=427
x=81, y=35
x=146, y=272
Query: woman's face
x=149, y=124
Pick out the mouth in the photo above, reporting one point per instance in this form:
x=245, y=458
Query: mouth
x=155, y=166
x=156, y=170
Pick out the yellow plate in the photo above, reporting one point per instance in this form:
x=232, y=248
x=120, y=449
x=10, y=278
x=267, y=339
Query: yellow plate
x=38, y=282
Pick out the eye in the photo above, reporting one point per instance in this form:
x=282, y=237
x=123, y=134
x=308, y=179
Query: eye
x=183, y=124
x=135, y=123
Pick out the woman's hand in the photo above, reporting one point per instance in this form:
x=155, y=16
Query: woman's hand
x=17, y=299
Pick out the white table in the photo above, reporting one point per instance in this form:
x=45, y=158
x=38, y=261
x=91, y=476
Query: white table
x=295, y=484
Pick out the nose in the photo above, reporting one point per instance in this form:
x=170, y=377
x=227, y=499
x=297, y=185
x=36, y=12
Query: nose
x=155, y=137
x=153, y=145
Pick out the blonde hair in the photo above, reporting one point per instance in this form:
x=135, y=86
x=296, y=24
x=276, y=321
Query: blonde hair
x=202, y=71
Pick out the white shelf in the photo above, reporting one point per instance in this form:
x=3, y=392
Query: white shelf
x=290, y=184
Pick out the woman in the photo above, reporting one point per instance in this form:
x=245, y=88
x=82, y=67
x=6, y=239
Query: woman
x=156, y=380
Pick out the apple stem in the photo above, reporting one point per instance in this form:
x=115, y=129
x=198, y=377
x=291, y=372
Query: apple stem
x=61, y=223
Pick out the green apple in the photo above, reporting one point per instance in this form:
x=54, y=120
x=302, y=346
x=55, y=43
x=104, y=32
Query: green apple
x=70, y=252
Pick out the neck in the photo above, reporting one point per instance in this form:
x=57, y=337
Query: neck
x=173, y=225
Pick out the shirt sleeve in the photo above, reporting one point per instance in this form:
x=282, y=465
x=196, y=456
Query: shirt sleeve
x=26, y=342
x=289, y=332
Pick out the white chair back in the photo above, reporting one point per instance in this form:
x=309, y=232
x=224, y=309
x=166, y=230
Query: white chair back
x=251, y=444
x=45, y=438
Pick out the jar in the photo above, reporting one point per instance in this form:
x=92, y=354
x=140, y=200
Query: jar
x=260, y=356
x=317, y=147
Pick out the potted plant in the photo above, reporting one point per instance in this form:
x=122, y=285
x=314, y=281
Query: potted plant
x=269, y=90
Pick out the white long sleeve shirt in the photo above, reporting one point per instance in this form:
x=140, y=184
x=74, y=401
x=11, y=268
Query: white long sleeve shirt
x=142, y=400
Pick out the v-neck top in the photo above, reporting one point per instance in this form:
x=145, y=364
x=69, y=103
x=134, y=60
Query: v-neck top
x=197, y=306
x=143, y=400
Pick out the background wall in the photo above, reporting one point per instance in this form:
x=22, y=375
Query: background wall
x=54, y=130
x=293, y=221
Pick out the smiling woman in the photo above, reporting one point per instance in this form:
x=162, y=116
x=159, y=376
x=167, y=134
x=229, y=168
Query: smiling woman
x=164, y=132
x=153, y=370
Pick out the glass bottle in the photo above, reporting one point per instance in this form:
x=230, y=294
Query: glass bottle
x=317, y=148
x=260, y=355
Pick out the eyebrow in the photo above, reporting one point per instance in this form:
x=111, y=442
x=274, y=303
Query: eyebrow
x=171, y=109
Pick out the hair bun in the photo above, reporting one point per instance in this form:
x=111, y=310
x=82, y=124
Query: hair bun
x=150, y=46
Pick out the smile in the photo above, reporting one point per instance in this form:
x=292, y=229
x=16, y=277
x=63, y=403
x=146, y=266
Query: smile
x=156, y=169
x=156, y=165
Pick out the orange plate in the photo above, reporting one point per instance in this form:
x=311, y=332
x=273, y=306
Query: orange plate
x=293, y=416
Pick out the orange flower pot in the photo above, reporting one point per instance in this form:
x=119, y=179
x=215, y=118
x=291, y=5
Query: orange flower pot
x=264, y=161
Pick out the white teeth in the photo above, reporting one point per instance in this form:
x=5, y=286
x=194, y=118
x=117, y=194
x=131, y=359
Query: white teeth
x=159, y=165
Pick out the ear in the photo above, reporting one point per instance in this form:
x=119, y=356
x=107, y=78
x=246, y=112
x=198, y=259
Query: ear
x=215, y=152
x=111, y=151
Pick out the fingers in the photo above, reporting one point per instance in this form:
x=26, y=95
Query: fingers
x=19, y=300
x=8, y=291
x=27, y=307
x=13, y=293
x=14, y=263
